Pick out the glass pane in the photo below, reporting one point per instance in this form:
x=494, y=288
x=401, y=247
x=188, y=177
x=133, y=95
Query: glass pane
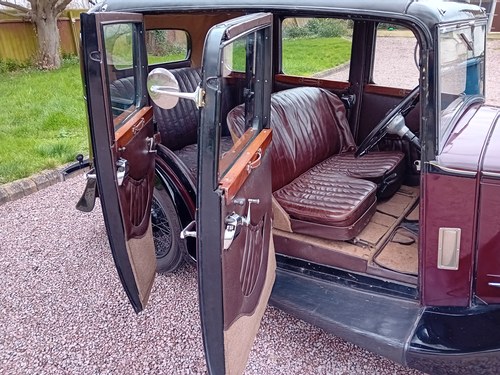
x=317, y=47
x=243, y=67
x=119, y=45
x=166, y=46
x=461, y=71
x=395, y=61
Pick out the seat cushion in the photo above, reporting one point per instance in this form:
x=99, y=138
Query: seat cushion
x=384, y=168
x=326, y=204
x=189, y=155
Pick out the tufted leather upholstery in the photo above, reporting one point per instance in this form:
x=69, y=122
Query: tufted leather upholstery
x=309, y=126
x=316, y=179
x=178, y=126
x=322, y=196
x=189, y=155
x=385, y=168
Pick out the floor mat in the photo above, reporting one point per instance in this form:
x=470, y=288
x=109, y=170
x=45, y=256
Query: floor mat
x=387, y=217
x=400, y=254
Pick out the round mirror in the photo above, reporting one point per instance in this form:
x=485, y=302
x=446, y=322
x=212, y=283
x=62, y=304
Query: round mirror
x=161, y=83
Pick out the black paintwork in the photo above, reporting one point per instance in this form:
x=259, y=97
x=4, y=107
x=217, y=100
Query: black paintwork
x=103, y=160
x=379, y=323
x=208, y=219
x=346, y=278
x=457, y=341
x=429, y=12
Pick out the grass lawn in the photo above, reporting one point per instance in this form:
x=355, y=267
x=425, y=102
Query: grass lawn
x=307, y=56
x=42, y=120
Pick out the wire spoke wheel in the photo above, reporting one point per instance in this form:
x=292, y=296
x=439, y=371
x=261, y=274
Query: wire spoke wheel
x=166, y=230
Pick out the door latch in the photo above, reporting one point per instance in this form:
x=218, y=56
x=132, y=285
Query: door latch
x=234, y=221
x=121, y=170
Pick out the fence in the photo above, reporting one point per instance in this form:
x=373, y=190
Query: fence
x=18, y=40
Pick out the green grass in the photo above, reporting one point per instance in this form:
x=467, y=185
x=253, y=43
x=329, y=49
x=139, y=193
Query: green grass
x=304, y=56
x=42, y=120
x=307, y=56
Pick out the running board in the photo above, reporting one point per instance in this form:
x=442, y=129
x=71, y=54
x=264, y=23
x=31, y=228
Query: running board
x=379, y=323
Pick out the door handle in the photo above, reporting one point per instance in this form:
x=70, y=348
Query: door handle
x=234, y=221
x=121, y=170
x=188, y=232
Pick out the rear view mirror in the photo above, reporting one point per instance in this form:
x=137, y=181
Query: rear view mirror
x=164, y=91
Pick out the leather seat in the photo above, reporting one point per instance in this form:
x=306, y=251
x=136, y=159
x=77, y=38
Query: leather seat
x=384, y=168
x=326, y=204
x=189, y=155
x=324, y=189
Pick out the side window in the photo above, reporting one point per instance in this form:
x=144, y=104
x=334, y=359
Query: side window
x=120, y=42
x=167, y=45
x=316, y=47
x=394, y=62
x=250, y=57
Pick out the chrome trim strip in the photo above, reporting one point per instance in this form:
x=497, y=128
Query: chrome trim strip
x=496, y=285
x=491, y=174
x=452, y=170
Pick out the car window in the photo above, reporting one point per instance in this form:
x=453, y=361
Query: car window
x=394, y=60
x=167, y=45
x=461, y=71
x=316, y=47
x=119, y=42
x=249, y=56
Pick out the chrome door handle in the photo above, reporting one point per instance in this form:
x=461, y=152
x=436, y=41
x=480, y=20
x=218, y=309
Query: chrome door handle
x=234, y=220
x=188, y=232
x=121, y=171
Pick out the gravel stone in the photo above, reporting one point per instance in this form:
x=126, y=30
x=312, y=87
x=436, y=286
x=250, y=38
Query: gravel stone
x=63, y=310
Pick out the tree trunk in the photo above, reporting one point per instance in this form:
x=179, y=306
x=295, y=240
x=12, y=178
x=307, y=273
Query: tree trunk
x=48, y=38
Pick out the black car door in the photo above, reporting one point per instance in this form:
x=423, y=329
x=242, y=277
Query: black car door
x=114, y=67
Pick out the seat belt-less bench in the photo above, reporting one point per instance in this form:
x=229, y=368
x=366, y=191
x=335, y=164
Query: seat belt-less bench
x=316, y=179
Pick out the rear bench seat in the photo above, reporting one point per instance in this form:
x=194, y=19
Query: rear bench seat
x=325, y=190
x=178, y=126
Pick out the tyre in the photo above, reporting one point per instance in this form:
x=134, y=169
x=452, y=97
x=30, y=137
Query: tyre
x=169, y=247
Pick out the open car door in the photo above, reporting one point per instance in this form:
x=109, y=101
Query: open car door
x=123, y=142
x=236, y=263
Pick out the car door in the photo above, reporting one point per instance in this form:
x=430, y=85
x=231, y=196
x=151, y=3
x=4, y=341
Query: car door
x=123, y=142
x=236, y=263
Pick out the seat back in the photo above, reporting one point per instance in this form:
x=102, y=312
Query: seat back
x=178, y=126
x=309, y=125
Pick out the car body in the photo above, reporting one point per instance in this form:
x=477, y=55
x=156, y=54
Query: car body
x=367, y=203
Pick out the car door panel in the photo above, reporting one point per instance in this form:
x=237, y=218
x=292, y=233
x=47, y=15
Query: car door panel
x=235, y=254
x=123, y=143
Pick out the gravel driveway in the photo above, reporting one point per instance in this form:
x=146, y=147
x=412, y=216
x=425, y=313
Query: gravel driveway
x=63, y=311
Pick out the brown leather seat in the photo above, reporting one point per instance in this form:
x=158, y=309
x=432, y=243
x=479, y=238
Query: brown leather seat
x=189, y=155
x=316, y=178
x=326, y=204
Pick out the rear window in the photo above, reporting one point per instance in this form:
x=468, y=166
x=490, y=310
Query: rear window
x=167, y=45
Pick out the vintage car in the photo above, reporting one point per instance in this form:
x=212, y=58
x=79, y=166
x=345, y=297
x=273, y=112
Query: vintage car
x=333, y=158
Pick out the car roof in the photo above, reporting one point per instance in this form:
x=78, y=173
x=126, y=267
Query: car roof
x=427, y=12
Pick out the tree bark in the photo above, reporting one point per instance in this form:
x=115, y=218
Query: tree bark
x=48, y=42
x=44, y=15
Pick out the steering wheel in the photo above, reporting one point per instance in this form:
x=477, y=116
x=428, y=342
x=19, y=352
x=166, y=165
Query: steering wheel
x=393, y=123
